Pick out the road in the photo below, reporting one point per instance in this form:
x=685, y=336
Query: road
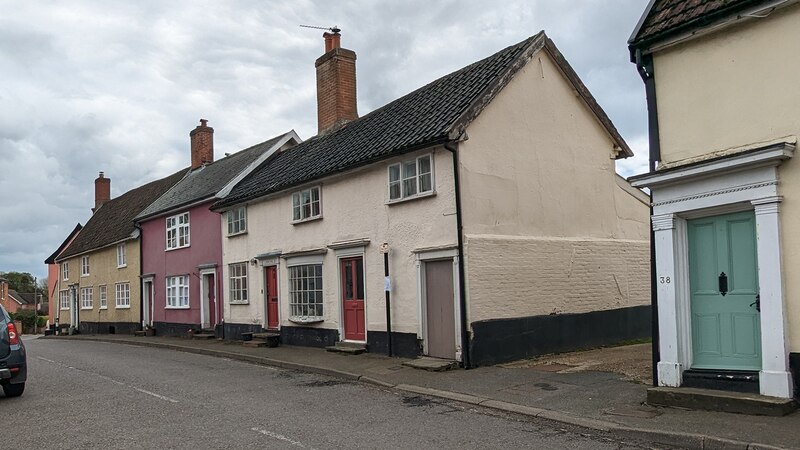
x=84, y=394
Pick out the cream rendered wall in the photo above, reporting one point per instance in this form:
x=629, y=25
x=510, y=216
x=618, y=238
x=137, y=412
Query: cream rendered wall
x=353, y=207
x=738, y=89
x=550, y=227
x=103, y=270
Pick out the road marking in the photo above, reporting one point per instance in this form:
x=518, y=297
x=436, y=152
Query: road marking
x=143, y=391
x=280, y=437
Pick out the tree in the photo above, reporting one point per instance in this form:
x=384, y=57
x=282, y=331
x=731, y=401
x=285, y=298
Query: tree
x=43, y=289
x=19, y=281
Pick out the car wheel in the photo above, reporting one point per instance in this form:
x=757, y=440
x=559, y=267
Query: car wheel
x=14, y=390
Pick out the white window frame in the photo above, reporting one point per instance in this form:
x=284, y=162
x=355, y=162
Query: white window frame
x=103, y=294
x=87, y=300
x=122, y=295
x=85, y=266
x=177, y=286
x=301, y=289
x=237, y=221
x=178, y=227
x=237, y=283
x=298, y=206
x=122, y=255
x=65, y=270
x=63, y=298
x=416, y=178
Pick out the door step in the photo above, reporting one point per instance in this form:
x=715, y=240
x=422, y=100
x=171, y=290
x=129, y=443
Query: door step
x=723, y=380
x=715, y=400
x=348, y=348
x=262, y=339
x=432, y=364
x=204, y=336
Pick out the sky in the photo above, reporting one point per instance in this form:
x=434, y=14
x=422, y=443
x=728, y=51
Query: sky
x=89, y=86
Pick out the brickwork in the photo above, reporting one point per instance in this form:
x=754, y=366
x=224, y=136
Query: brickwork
x=202, y=138
x=102, y=190
x=518, y=277
x=336, y=88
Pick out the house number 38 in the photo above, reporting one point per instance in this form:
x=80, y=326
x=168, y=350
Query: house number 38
x=665, y=280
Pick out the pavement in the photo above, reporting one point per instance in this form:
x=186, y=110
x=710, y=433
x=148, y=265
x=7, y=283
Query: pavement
x=565, y=389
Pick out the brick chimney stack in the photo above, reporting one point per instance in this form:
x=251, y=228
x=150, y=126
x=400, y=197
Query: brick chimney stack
x=336, y=84
x=202, y=138
x=102, y=191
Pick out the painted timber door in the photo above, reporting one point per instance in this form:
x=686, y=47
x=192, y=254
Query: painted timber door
x=272, y=297
x=723, y=280
x=352, y=271
x=440, y=321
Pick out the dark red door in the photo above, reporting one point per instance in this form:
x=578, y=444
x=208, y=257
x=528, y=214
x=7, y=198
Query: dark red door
x=272, y=297
x=352, y=270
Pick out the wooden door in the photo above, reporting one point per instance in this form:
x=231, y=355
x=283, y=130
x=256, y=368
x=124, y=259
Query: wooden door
x=723, y=279
x=440, y=314
x=352, y=273
x=272, y=297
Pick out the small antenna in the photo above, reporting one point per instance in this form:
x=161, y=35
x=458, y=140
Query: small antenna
x=333, y=29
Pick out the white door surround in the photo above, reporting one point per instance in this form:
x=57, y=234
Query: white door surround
x=205, y=304
x=147, y=301
x=434, y=254
x=748, y=181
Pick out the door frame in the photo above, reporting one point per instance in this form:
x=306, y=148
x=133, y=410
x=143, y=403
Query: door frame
x=147, y=301
x=347, y=253
x=748, y=181
x=444, y=254
x=205, y=304
x=265, y=297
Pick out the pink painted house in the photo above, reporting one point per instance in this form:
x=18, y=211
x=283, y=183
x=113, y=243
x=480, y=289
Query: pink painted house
x=54, y=274
x=182, y=239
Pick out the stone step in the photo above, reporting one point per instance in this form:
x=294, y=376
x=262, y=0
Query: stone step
x=255, y=343
x=348, y=348
x=432, y=364
x=204, y=336
x=139, y=333
x=724, y=401
x=725, y=380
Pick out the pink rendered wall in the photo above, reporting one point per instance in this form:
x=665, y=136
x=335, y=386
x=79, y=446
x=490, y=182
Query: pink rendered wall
x=205, y=247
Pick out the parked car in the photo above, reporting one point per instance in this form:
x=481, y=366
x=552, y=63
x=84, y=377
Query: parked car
x=13, y=365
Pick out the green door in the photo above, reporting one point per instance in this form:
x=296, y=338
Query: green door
x=723, y=280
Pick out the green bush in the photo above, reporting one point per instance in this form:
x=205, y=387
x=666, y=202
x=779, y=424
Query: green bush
x=26, y=316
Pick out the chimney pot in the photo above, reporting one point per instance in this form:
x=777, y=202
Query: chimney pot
x=202, y=144
x=336, y=85
x=102, y=191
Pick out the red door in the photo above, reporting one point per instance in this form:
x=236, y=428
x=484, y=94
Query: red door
x=272, y=297
x=352, y=270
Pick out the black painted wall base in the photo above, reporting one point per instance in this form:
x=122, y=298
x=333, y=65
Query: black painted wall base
x=502, y=340
x=405, y=345
x=233, y=331
x=174, y=329
x=794, y=366
x=309, y=337
x=108, y=327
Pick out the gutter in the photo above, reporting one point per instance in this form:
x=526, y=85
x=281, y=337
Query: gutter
x=462, y=289
x=644, y=65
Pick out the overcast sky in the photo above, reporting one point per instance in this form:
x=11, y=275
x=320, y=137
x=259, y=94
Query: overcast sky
x=88, y=86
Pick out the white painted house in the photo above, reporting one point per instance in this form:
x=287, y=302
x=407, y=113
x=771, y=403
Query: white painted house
x=509, y=233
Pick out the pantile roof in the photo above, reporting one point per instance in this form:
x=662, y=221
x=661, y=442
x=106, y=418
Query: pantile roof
x=665, y=17
x=113, y=221
x=52, y=258
x=433, y=114
x=204, y=182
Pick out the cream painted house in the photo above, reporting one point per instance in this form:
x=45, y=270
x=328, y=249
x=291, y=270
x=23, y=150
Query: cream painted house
x=724, y=119
x=98, y=287
x=493, y=192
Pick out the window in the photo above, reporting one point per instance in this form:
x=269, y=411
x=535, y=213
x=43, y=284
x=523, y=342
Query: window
x=178, y=292
x=122, y=257
x=238, y=282
x=103, y=297
x=123, y=295
x=65, y=272
x=178, y=231
x=85, y=266
x=306, y=204
x=86, y=298
x=305, y=291
x=237, y=221
x=410, y=178
x=63, y=299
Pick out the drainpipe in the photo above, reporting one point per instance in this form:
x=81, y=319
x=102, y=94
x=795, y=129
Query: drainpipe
x=644, y=64
x=462, y=289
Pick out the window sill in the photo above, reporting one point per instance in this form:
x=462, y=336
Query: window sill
x=237, y=234
x=122, y=266
x=239, y=303
x=122, y=307
x=64, y=309
x=176, y=248
x=103, y=307
x=309, y=219
x=84, y=275
x=83, y=308
x=411, y=198
x=176, y=307
x=306, y=320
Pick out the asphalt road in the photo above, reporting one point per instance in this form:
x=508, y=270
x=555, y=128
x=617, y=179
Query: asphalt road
x=101, y=395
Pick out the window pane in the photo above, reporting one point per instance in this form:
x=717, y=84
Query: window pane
x=394, y=190
x=314, y=194
x=394, y=173
x=425, y=183
x=409, y=187
x=315, y=209
x=360, y=279
x=409, y=169
x=424, y=164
